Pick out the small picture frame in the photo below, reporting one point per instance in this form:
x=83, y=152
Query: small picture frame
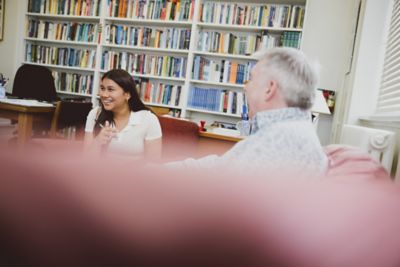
x=2, y=13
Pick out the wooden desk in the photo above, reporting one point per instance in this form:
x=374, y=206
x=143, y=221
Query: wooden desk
x=211, y=143
x=24, y=115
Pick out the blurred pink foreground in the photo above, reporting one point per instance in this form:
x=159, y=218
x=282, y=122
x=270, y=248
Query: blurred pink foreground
x=60, y=208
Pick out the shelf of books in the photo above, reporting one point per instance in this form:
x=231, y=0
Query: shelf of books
x=64, y=36
x=227, y=35
x=151, y=40
x=191, y=56
x=160, y=94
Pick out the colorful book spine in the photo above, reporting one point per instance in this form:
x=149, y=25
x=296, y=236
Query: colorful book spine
x=65, y=7
x=73, y=82
x=151, y=9
x=221, y=71
x=61, y=56
x=264, y=15
x=62, y=31
x=168, y=38
x=152, y=92
x=216, y=100
x=165, y=66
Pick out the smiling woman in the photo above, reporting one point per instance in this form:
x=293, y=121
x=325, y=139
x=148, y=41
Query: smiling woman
x=122, y=123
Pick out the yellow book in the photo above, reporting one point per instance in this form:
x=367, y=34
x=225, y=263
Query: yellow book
x=289, y=15
x=177, y=10
x=221, y=43
x=84, y=59
x=300, y=19
x=140, y=37
x=164, y=69
x=77, y=8
x=233, y=72
x=265, y=16
x=157, y=39
x=53, y=7
x=71, y=8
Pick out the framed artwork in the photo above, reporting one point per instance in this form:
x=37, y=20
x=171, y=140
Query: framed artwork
x=2, y=12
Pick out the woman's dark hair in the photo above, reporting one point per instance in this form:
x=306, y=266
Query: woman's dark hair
x=125, y=80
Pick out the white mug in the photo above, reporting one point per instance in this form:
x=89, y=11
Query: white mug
x=2, y=92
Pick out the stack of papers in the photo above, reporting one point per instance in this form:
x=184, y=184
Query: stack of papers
x=25, y=102
x=227, y=132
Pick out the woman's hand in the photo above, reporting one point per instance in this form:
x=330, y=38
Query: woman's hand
x=106, y=134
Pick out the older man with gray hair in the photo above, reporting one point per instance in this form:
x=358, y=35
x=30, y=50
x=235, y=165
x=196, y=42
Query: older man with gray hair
x=280, y=93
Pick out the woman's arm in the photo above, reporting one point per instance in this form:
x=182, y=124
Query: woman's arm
x=153, y=149
x=153, y=139
x=89, y=128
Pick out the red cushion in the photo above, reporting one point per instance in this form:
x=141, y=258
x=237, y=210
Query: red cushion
x=354, y=163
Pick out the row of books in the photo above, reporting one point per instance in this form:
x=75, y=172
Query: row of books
x=173, y=38
x=73, y=82
x=159, y=93
x=62, y=56
x=65, y=7
x=291, y=39
x=166, y=66
x=65, y=31
x=271, y=15
x=178, y=10
x=224, y=71
x=236, y=44
x=217, y=100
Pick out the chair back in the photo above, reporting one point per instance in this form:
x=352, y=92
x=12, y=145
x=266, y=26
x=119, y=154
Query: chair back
x=70, y=114
x=180, y=138
x=379, y=143
x=34, y=82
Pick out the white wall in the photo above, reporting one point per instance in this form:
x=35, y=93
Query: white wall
x=367, y=70
x=11, y=46
x=328, y=37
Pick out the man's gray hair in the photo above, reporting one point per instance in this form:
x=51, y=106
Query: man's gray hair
x=296, y=76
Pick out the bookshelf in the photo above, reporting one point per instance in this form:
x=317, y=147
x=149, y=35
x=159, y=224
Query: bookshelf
x=190, y=56
x=64, y=36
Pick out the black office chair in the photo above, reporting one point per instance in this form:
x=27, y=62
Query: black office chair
x=34, y=82
x=69, y=119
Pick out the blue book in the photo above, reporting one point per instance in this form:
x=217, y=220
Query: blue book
x=271, y=16
x=119, y=36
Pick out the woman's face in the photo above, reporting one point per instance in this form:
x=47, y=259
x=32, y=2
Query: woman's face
x=112, y=95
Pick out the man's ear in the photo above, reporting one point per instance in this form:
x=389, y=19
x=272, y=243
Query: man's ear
x=270, y=89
